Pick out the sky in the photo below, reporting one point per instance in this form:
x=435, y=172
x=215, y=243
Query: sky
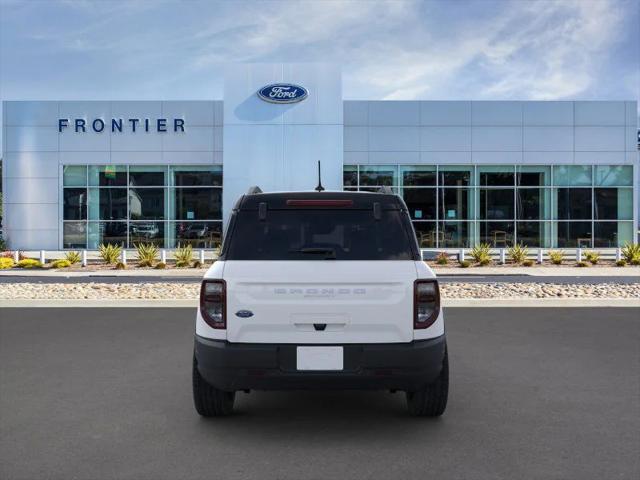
x=452, y=49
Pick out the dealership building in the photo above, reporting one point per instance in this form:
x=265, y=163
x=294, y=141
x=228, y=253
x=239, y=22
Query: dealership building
x=553, y=174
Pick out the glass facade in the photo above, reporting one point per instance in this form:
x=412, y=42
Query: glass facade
x=537, y=205
x=127, y=205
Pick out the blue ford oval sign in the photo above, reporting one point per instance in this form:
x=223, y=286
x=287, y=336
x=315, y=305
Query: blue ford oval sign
x=283, y=93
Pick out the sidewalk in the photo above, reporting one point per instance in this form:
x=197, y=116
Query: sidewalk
x=547, y=271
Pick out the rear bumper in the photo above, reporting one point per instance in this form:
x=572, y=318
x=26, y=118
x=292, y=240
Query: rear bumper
x=396, y=366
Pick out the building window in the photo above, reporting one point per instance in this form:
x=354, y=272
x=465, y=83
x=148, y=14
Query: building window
x=127, y=205
x=547, y=206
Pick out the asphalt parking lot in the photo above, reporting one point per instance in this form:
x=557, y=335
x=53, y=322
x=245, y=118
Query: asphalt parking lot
x=105, y=393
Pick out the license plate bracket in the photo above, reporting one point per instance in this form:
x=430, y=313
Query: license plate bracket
x=329, y=358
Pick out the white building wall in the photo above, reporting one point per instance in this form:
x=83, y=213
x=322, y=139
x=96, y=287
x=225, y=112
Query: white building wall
x=34, y=153
x=277, y=146
x=490, y=132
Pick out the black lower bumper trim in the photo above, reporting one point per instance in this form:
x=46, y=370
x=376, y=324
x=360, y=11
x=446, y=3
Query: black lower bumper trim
x=395, y=366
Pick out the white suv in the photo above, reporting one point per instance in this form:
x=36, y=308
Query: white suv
x=320, y=290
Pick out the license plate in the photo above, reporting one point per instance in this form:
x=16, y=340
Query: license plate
x=320, y=358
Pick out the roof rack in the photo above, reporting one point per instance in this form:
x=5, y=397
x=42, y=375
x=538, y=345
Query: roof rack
x=386, y=189
x=254, y=189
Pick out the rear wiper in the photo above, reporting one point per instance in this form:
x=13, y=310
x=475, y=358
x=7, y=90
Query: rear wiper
x=329, y=252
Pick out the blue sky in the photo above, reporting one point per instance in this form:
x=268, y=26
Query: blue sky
x=522, y=49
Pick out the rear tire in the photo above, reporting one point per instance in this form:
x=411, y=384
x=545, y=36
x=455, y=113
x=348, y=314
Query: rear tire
x=208, y=400
x=432, y=400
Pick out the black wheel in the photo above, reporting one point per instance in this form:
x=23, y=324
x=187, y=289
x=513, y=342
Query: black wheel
x=432, y=401
x=208, y=400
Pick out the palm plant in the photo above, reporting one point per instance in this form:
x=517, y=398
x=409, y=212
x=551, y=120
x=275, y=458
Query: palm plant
x=480, y=253
x=518, y=253
x=183, y=255
x=147, y=254
x=110, y=252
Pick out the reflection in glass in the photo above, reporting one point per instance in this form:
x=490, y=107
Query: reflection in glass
x=533, y=203
x=421, y=202
x=572, y=175
x=497, y=234
x=614, y=175
x=455, y=234
x=107, y=204
x=146, y=232
x=74, y=204
x=108, y=175
x=196, y=176
x=146, y=203
x=574, y=234
x=534, y=234
x=455, y=204
x=418, y=176
x=613, y=203
x=426, y=234
x=612, y=234
x=74, y=235
x=196, y=234
x=74, y=176
x=350, y=176
x=574, y=203
x=378, y=175
x=455, y=175
x=496, y=204
x=147, y=175
x=197, y=203
x=107, y=232
x=496, y=175
x=533, y=175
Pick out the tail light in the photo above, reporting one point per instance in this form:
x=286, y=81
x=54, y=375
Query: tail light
x=426, y=303
x=213, y=303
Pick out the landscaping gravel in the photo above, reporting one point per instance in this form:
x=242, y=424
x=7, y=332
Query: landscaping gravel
x=187, y=291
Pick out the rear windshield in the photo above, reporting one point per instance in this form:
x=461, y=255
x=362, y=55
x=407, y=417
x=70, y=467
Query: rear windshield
x=320, y=235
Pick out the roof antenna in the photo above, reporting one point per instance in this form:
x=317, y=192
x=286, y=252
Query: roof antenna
x=319, y=188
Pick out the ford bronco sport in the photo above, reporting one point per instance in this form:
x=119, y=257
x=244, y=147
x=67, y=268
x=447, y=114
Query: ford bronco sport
x=320, y=290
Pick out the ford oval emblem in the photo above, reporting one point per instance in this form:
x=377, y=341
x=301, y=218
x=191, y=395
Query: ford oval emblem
x=283, y=93
x=244, y=313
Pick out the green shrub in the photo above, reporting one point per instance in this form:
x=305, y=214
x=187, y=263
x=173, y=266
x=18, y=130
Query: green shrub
x=73, y=257
x=183, y=255
x=631, y=253
x=110, y=252
x=621, y=263
x=592, y=257
x=465, y=263
x=29, y=263
x=121, y=266
x=582, y=263
x=556, y=256
x=3, y=244
x=147, y=254
x=442, y=258
x=528, y=263
x=518, y=253
x=6, y=262
x=480, y=254
x=61, y=263
x=160, y=266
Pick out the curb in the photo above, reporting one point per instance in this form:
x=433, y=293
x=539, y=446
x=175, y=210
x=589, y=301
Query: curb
x=448, y=303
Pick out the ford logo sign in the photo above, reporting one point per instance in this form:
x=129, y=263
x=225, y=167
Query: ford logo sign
x=283, y=93
x=244, y=313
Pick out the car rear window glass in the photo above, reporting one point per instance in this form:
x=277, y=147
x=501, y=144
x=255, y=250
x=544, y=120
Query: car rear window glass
x=314, y=234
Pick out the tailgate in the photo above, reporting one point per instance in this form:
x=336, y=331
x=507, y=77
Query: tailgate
x=309, y=302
